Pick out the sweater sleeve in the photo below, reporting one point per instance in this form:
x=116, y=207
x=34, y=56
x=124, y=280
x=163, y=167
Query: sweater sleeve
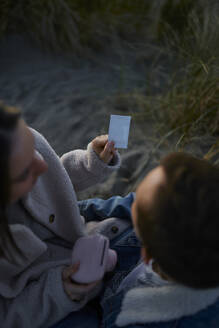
x=86, y=169
x=42, y=303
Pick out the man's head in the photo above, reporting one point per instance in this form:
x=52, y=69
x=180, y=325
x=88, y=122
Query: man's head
x=176, y=215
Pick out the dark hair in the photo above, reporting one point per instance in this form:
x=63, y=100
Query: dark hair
x=9, y=117
x=181, y=229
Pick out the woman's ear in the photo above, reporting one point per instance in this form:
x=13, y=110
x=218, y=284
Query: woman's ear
x=145, y=255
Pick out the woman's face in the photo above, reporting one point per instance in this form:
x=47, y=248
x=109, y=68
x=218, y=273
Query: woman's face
x=25, y=164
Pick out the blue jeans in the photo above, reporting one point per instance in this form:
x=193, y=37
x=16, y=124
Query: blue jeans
x=88, y=317
x=127, y=247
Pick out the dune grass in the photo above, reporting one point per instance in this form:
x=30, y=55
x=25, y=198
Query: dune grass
x=186, y=30
x=188, y=103
x=4, y=16
x=174, y=15
x=73, y=24
x=51, y=24
x=192, y=100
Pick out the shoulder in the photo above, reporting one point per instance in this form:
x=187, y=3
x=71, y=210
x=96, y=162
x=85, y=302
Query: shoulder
x=206, y=318
x=43, y=146
x=39, y=138
x=209, y=317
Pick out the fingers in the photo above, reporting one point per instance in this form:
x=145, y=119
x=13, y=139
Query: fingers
x=75, y=291
x=108, y=152
x=69, y=271
x=103, y=148
x=80, y=289
x=78, y=292
x=101, y=141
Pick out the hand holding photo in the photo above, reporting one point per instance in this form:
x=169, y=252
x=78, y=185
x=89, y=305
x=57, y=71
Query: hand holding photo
x=119, y=130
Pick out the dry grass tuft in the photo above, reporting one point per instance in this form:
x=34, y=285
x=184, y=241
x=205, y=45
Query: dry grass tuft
x=73, y=24
x=193, y=102
x=189, y=31
x=190, y=103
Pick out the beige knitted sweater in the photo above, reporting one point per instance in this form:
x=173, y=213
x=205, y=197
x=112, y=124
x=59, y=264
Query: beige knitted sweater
x=45, y=225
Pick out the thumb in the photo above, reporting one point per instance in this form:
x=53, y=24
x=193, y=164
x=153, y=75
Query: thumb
x=69, y=271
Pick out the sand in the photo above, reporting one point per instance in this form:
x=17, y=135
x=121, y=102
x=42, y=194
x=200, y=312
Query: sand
x=69, y=100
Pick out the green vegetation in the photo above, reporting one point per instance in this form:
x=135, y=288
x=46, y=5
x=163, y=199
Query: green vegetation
x=184, y=30
x=4, y=16
x=50, y=23
x=73, y=24
x=190, y=103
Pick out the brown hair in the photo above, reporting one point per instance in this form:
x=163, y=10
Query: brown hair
x=9, y=117
x=181, y=229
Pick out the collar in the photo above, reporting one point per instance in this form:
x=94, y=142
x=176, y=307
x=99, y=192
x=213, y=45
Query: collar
x=163, y=303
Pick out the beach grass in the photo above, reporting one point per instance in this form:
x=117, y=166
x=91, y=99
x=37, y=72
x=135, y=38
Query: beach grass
x=188, y=102
x=73, y=24
x=191, y=102
x=186, y=30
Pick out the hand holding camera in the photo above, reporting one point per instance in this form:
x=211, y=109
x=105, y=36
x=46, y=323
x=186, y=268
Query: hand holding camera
x=95, y=258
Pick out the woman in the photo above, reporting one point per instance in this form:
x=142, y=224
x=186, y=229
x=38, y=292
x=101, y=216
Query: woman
x=40, y=221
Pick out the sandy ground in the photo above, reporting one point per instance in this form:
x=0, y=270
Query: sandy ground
x=69, y=100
